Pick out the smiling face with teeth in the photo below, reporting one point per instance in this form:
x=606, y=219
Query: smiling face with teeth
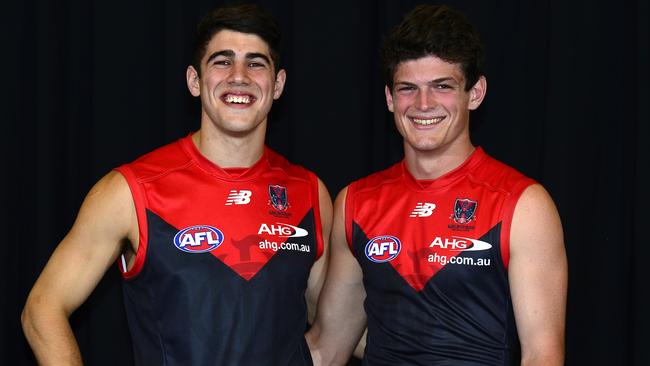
x=237, y=84
x=431, y=107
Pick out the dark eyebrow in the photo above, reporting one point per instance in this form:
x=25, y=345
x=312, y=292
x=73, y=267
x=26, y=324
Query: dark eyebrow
x=231, y=54
x=252, y=55
x=227, y=53
x=443, y=80
x=405, y=83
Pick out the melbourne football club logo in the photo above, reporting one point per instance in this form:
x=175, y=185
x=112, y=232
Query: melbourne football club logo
x=278, y=195
x=198, y=239
x=464, y=210
x=381, y=249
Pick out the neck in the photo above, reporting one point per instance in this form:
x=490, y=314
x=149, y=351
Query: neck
x=227, y=151
x=424, y=165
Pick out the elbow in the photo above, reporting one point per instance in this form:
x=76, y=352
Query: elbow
x=550, y=357
x=34, y=317
x=543, y=361
x=27, y=321
x=312, y=337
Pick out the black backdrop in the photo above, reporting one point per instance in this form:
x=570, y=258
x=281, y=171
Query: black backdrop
x=89, y=85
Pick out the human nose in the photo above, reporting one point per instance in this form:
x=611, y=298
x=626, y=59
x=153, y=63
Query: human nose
x=425, y=100
x=239, y=74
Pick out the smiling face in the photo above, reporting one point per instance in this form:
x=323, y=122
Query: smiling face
x=237, y=83
x=430, y=105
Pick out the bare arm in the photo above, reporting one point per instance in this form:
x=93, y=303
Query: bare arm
x=106, y=219
x=341, y=318
x=538, y=278
x=360, y=349
x=319, y=269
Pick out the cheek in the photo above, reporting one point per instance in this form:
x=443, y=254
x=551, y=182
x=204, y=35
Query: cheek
x=454, y=102
x=209, y=82
x=263, y=79
x=402, y=103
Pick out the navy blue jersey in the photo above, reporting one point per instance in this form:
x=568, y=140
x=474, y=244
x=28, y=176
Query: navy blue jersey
x=434, y=258
x=223, y=259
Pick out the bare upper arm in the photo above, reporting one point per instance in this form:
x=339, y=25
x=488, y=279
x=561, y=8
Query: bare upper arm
x=105, y=224
x=538, y=276
x=341, y=318
x=319, y=269
x=345, y=269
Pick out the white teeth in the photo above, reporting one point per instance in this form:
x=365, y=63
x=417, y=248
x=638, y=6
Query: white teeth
x=426, y=122
x=240, y=99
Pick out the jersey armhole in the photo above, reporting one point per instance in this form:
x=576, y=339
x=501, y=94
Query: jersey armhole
x=139, y=201
x=317, y=219
x=349, y=209
x=508, y=213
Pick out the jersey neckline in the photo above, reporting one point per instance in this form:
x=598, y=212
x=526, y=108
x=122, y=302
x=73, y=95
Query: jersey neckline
x=232, y=174
x=431, y=184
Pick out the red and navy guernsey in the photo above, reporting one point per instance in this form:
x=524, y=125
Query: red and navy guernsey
x=434, y=255
x=223, y=259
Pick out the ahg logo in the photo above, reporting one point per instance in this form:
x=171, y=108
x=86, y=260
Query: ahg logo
x=459, y=243
x=283, y=230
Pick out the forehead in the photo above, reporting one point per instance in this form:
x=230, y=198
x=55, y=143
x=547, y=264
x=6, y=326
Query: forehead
x=238, y=42
x=427, y=68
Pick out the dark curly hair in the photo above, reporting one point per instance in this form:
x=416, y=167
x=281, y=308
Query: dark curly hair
x=244, y=18
x=436, y=30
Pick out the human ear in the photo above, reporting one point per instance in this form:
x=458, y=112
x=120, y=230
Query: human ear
x=280, y=79
x=389, y=99
x=477, y=93
x=193, y=81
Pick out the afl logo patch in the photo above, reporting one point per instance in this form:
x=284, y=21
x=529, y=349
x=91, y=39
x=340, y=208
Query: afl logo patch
x=198, y=239
x=383, y=248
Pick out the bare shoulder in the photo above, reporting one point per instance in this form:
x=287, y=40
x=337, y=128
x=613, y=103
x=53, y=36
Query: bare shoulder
x=536, y=200
x=339, y=204
x=325, y=203
x=111, y=189
x=338, y=226
x=339, y=234
x=105, y=221
x=535, y=220
x=108, y=210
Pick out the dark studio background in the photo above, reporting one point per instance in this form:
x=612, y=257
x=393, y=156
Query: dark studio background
x=89, y=85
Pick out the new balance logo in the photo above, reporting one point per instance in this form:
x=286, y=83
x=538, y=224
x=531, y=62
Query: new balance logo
x=423, y=209
x=242, y=197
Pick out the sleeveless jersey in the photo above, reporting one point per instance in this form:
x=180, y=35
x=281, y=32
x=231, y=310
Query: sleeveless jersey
x=434, y=257
x=223, y=259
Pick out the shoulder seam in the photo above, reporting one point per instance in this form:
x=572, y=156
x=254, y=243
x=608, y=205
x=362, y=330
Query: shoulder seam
x=165, y=172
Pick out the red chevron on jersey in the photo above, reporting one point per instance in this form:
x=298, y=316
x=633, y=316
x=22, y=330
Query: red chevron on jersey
x=223, y=260
x=236, y=207
x=434, y=221
x=434, y=258
x=246, y=248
